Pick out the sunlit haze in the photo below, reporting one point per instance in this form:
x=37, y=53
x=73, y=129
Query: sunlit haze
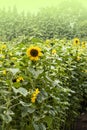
x=34, y=5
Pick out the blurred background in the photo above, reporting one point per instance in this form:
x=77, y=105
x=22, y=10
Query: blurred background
x=35, y=5
x=43, y=19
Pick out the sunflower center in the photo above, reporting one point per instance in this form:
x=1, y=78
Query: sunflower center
x=34, y=52
x=76, y=41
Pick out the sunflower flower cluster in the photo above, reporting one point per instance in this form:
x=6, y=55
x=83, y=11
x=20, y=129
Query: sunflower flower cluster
x=34, y=52
x=34, y=95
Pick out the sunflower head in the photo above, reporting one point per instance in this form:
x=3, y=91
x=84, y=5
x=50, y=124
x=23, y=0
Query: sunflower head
x=19, y=79
x=34, y=95
x=34, y=53
x=53, y=51
x=83, y=44
x=4, y=72
x=3, y=46
x=76, y=41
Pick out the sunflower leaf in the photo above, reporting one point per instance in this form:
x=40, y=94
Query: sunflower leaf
x=35, y=73
x=21, y=90
x=14, y=70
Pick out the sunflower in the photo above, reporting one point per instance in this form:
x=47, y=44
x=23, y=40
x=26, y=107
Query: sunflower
x=34, y=95
x=83, y=44
x=19, y=79
x=76, y=41
x=34, y=53
x=3, y=46
x=4, y=72
x=33, y=99
x=53, y=51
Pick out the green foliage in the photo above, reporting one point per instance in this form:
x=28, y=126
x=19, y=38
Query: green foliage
x=68, y=20
x=42, y=94
x=49, y=92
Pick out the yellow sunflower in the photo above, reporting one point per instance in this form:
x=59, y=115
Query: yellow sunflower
x=76, y=41
x=3, y=46
x=34, y=53
x=19, y=79
x=4, y=72
x=53, y=51
x=34, y=95
x=33, y=99
x=83, y=44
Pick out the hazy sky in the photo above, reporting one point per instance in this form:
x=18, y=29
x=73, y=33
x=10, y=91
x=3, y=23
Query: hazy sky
x=28, y=5
x=32, y=5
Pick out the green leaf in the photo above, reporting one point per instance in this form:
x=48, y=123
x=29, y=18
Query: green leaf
x=29, y=127
x=6, y=117
x=25, y=104
x=36, y=127
x=48, y=120
x=42, y=126
x=14, y=70
x=56, y=83
x=35, y=73
x=27, y=110
x=21, y=90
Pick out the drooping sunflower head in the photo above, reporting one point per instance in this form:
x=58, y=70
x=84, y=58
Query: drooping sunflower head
x=76, y=41
x=34, y=53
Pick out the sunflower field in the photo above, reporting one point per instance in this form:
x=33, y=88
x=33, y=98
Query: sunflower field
x=43, y=68
x=42, y=83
